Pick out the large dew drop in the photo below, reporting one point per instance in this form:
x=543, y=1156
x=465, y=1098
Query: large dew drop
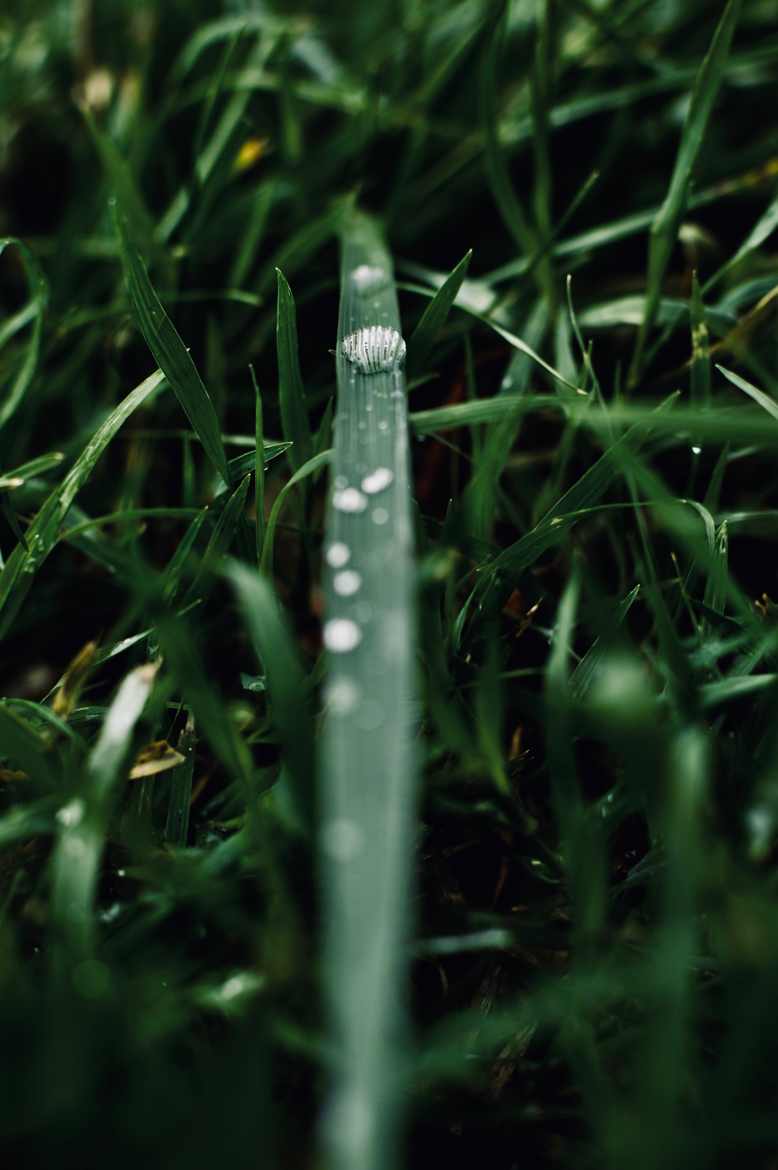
x=349, y=500
x=342, y=696
x=375, y=348
x=377, y=481
x=341, y=635
x=368, y=278
x=338, y=554
x=346, y=582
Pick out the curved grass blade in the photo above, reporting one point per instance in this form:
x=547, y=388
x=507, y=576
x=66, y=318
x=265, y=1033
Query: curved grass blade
x=18, y=476
x=434, y=316
x=83, y=820
x=42, y=534
x=367, y=758
x=35, y=312
x=169, y=351
x=21, y=745
x=310, y=468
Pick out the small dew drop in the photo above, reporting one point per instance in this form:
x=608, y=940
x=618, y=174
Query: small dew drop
x=341, y=635
x=342, y=696
x=377, y=481
x=349, y=499
x=380, y=515
x=72, y=813
x=368, y=277
x=342, y=839
x=696, y=450
x=374, y=348
x=346, y=582
x=383, y=425
x=338, y=554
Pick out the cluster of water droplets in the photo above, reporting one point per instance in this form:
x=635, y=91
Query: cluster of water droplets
x=374, y=348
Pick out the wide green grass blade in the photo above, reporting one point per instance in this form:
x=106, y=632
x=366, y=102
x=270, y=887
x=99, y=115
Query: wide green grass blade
x=169, y=351
x=367, y=764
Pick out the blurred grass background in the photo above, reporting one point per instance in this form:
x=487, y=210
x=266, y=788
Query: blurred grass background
x=594, y=960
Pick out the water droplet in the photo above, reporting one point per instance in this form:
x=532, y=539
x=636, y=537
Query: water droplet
x=349, y=500
x=342, y=696
x=374, y=348
x=380, y=515
x=347, y=582
x=342, y=839
x=72, y=813
x=338, y=554
x=368, y=277
x=377, y=481
x=341, y=635
x=235, y=986
x=696, y=450
x=383, y=425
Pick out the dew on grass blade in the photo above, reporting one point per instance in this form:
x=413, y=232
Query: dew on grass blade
x=349, y=500
x=341, y=635
x=342, y=695
x=369, y=277
x=346, y=582
x=377, y=481
x=342, y=839
x=337, y=554
x=374, y=348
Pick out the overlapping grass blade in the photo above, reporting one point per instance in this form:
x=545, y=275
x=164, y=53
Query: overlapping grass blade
x=434, y=316
x=291, y=393
x=367, y=762
x=286, y=685
x=83, y=820
x=664, y=229
x=34, y=312
x=169, y=351
x=42, y=534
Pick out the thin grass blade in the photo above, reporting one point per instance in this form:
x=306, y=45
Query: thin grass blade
x=291, y=393
x=169, y=351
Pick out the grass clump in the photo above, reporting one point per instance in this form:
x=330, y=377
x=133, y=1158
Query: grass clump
x=387, y=631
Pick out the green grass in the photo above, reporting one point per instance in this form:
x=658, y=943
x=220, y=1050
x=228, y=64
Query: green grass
x=388, y=643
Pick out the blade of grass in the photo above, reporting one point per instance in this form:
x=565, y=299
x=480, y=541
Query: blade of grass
x=177, y=822
x=434, y=317
x=168, y=350
x=36, y=282
x=291, y=394
x=42, y=534
x=286, y=685
x=367, y=758
x=664, y=228
x=84, y=819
